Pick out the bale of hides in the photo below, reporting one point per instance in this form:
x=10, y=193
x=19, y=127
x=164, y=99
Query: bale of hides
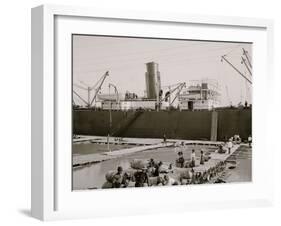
x=109, y=176
x=139, y=164
x=207, y=158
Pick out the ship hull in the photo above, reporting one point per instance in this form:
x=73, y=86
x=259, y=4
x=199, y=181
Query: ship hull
x=189, y=125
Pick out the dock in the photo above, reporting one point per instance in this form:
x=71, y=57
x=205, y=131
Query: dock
x=82, y=160
x=140, y=141
x=141, y=144
x=138, y=149
x=215, y=158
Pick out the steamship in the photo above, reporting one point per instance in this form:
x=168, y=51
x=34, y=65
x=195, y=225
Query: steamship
x=180, y=111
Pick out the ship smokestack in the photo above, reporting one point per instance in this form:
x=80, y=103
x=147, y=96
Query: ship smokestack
x=153, y=81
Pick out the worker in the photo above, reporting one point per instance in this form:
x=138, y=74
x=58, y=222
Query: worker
x=164, y=139
x=193, y=158
x=141, y=177
x=229, y=145
x=202, y=157
x=221, y=149
x=180, y=160
x=158, y=169
x=117, y=178
x=151, y=163
x=238, y=139
x=250, y=141
x=151, y=167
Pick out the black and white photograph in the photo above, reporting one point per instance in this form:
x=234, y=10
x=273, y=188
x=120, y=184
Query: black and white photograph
x=160, y=112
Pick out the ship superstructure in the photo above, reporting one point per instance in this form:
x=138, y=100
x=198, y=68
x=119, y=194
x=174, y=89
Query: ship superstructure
x=199, y=95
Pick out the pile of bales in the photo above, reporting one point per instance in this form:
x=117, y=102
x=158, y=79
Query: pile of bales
x=168, y=175
x=139, y=164
x=190, y=176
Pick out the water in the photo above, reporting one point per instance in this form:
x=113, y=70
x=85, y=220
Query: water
x=91, y=148
x=93, y=176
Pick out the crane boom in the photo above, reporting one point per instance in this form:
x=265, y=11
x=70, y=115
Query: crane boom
x=178, y=87
x=80, y=97
x=246, y=65
x=99, y=87
x=247, y=57
x=80, y=87
x=239, y=72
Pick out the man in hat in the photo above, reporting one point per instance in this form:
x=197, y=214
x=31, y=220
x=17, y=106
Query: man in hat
x=117, y=178
x=180, y=160
x=192, y=156
x=202, y=157
x=157, y=169
x=141, y=177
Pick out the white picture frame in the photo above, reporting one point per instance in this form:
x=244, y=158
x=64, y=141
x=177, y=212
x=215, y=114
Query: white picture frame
x=52, y=197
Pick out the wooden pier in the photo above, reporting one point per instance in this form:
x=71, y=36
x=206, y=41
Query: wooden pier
x=141, y=144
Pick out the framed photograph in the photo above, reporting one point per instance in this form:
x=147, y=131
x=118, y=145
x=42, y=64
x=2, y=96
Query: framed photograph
x=131, y=107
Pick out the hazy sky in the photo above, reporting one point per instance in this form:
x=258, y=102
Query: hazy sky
x=179, y=61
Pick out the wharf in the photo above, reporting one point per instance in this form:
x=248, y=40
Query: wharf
x=141, y=144
x=215, y=158
x=114, y=140
x=81, y=160
x=140, y=141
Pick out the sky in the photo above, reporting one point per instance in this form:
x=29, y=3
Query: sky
x=179, y=61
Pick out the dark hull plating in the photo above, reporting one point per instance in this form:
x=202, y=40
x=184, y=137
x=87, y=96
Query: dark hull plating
x=195, y=125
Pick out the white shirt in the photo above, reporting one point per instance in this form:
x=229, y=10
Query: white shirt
x=229, y=144
x=193, y=155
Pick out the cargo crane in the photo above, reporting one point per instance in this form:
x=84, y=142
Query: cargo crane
x=168, y=94
x=223, y=58
x=246, y=54
x=97, y=87
x=247, y=63
x=243, y=61
x=85, y=102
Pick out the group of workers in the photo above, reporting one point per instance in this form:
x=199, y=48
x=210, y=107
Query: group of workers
x=231, y=141
x=153, y=174
x=181, y=163
x=142, y=177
